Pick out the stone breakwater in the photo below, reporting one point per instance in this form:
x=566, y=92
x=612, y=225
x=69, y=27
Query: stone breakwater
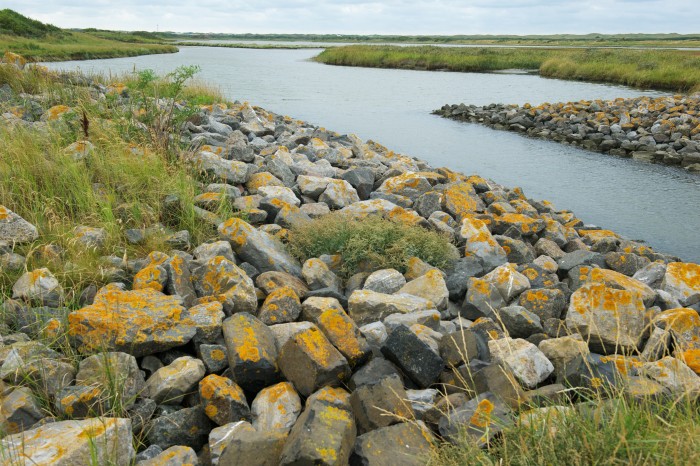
x=659, y=130
x=232, y=352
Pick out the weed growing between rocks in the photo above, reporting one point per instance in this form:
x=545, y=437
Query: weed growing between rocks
x=369, y=244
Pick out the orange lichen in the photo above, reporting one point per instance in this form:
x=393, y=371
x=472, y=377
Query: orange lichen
x=691, y=358
x=680, y=320
x=315, y=345
x=248, y=349
x=341, y=331
x=482, y=416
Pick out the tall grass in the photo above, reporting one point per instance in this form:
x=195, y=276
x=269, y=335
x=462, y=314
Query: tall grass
x=661, y=69
x=121, y=185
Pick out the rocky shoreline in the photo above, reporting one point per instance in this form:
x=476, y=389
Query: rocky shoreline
x=663, y=130
x=233, y=352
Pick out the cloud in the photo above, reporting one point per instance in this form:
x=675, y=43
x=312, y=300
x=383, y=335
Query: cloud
x=370, y=17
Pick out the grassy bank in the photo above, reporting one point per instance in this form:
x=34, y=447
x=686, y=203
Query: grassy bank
x=37, y=41
x=249, y=45
x=134, y=166
x=660, y=69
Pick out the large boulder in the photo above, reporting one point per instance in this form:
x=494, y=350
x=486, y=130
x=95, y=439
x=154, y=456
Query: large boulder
x=367, y=306
x=682, y=281
x=258, y=248
x=139, y=322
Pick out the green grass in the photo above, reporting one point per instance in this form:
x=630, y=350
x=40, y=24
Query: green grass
x=247, y=45
x=113, y=189
x=658, y=69
x=369, y=244
x=15, y=24
x=612, y=432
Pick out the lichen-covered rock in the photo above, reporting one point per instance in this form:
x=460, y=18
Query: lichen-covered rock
x=518, y=321
x=281, y=306
x=386, y=281
x=458, y=347
x=68, y=443
x=177, y=455
x=673, y=374
x=367, y=306
x=258, y=248
x=220, y=436
x=38, y=287
x=223, y=401
x=407, y=444
x=152, y=276
x=611, y=320
x=171, y=383
x=529, y=365
x=684, y=326
x=252, y=352
x=545, y=303
x=30, y=362
x=461, y=200
x=188, y=426
x=78, y=402
x=310, y=362
x=564, y=353
x=325, y=432
x=136, y=322
x=15, y=229
x=276, y=408
x=216, y=168
x=482, y=418
x=270, y=281
x=110, y=371
x=523, y=224
x=90, y=237
x=408, y=184
x=248, y=446
x=19, y=411
x=344, y=334
x=339, y=194
x=480, y=243
x=313, y=186
x=318, y=275
x=682, y=280
x=430, y=286
x=380, y=403
x=179, y=280
x=222, y=278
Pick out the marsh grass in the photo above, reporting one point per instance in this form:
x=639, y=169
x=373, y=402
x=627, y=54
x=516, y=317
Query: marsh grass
x=369, y=244
x=660, y=69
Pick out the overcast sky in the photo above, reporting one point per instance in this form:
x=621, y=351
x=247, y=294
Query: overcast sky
x=371, y=17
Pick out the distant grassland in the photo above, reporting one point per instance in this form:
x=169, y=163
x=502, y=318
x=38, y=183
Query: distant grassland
x=249, y=45
x=673, y=70
x=77, y=46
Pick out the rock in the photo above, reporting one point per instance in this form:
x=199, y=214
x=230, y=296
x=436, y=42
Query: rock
x=214, y=357
x=310, y=362
x=38, y=287
x=223, y=401
x=387, y=281
x=152, y=276
x=342, y=332
x=220, y=436
x=610, y=320
x=564, y=353
x=407, y=444
x=171, y=383
x=15, y=229
x=68, y=443
x=362, y=179
x=544, y=303
x=369, y=306
x=651, y=275
x=19, y=411
x=495, y=379
x=318, y=276
x=461, y=200
x=206, y=251
x=173, y=456
x=339, y=194
x=480, y=243
x=222, y=278
x=458, y=348
x=682, y=281
x=375, y=333
x=135, y=322
x=179, y=280
x=90, y=237
x=115, y=371
x=215, y=168
x=79, y=402
x=247, y=447
x=617, y=280
x=325, y=432
x=483, y=418
x=276, y=408
x=281, y=306
x=269, y=281
x=673, y=374
x=207, y=319
x=580, y=257
x=34, y=364
x=529, y=365
x=258, y=248
x=430, y=286
x=459, y=275
x=683, y=325
x=518, y=321
x=252, y=352
x=429, y=319
x=188, y=426
x=413, y=356
x=381, y=403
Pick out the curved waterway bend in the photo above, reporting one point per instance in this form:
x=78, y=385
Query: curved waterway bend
x=654, y=203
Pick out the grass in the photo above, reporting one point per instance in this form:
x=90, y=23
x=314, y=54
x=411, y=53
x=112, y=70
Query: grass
x=660, y=69
x=606, y=432
x=37, y=41
x=248, y=45
x=122, y=185
x=369, y=244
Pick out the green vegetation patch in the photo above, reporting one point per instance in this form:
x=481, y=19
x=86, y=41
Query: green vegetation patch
x=13, y=23
x=369, y=244
x=674, y=70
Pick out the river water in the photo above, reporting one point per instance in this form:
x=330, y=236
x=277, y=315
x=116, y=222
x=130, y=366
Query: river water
x=654, y=203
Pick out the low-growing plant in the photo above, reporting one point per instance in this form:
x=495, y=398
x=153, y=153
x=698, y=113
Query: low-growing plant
x=369, y=244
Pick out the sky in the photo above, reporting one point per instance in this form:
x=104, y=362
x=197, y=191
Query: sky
x=410, y=17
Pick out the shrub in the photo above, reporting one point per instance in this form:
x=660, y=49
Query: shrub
x=369, y=244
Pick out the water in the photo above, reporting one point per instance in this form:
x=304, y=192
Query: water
x=654, y=203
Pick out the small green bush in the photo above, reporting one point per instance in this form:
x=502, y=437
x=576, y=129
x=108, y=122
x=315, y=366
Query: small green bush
x=369, y=244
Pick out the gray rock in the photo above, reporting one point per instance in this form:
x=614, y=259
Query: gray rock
x=519, y=322
x=38, y=287
x=413, y=356
x=115, y=372
x=173, y=456
x=171, y=383
x=19, y=411
x=15, y=229
x=380, y=403
x=369, y=306
x=276, y=408
x=483, y=418
x=387, y=281
x=529, y=365
x=406, y=444
x=188, y=427
x=223, y=401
